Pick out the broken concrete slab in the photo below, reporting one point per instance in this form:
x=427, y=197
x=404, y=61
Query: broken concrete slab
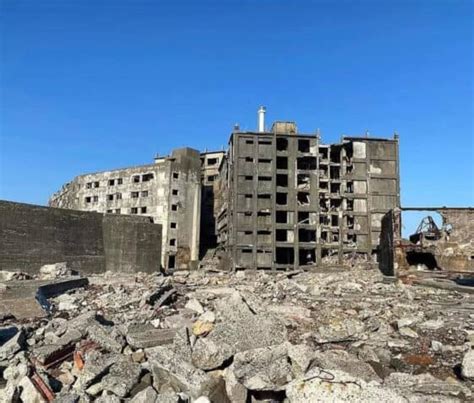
x=144, y=336
x=55, y=270
x=147, y=395
x=13, y=344
x=467, y=365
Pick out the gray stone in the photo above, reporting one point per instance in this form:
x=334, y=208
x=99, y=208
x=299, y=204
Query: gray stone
x=345, y=329
x=147, y=395
x=468, y=365
x=235, y=390
x=12, y=344
x=144, y=336
x=407, y=332
x=432, y=324
x=168, y=367
x=207, y=354
x=301, y=357
x=95, y=367
x=337, y=386
x=106, y=336
x=55, y=270
x=263, y=368
x=29, y=393
x=208, y=316
x=194, y=305
x=348, y=363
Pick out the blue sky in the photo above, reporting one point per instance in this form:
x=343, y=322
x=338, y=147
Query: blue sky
x=93, y=85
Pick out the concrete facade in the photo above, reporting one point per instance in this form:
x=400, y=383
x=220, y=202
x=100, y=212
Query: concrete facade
x=32, y=236
x=287, y=200
x=168, y=191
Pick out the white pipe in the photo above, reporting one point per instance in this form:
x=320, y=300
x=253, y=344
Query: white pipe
x=261, y=119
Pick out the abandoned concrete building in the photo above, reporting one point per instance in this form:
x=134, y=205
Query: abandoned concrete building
x=276, y=199
x=168, y=191
x=286, y=200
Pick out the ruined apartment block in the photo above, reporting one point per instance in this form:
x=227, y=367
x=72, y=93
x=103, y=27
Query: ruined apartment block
x=168, y=191
x=285, y=200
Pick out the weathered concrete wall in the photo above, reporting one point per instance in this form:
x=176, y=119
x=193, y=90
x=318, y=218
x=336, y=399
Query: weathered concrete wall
x=31, y=236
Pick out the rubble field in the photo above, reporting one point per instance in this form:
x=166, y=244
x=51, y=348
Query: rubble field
x=211, y=336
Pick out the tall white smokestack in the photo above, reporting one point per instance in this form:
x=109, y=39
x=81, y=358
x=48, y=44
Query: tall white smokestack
x=261, y=119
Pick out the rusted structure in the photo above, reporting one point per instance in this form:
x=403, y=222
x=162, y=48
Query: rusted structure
x=447, y=249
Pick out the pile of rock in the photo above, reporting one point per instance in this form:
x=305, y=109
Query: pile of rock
x=221, y=337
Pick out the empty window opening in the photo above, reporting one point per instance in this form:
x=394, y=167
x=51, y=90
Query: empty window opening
x=248, y=214
x=212, y=161
x=303, y=181
x=282, y=198
x=303, y=198
x=282, y=163
x=334, y=220
x=136, y=179
x=350, y=222
x=171, y=261
x=173, y=242
x=248, y=159
x=143, y=210
x=307, y=257
x=324, y=236
x=265, y=142
x=265, y=160
x=117, y=211
x=307, y=235
x=334, y=237
x=323, y=171
x=88, y=199
x=335, y=204
x=281, y=235
x=351, y=239
x=211, y=178
x=335, y=154
x=118, y=196
x=248, y=178
x=350, y=205
x=110, y=197
x=248, y=141
x=303, y=217
x=248, y=196
x=422, y=260
x=323, y=185
x=119, y=181
x=134, y=210
x=335, y=187
x=109, y=211
x=349, y=169
x=303, y=146
x=335, y=172
x=96, y=184
x=349, y=187
x=282, y=180
x=328, y=253
x=174, y=207
x=281, y=217
x=306, y=163
x=261, y=214
x=323, y=204
x=89, y=185
x=147, y=177
x=264, y=178
x=324, y=220
x=264, y=196
x=95, y=199
x=323, y=153
x=264, y=232
x=135, y=195
x=173, y=225
x=281, y=144
x=145, y=193
x=175, y=175
x=174, y=192
x=285, y=256
x=111, y=182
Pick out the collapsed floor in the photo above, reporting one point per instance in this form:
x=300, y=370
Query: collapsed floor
x=245, y=337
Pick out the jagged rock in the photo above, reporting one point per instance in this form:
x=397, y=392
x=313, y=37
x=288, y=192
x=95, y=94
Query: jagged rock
x=168, y=367
x=29, y=393
x=425, y=387
x=208, y=316
x=340, y=330
x=13, y=340
x=407, y=332
x=343, y=361
x=468, y=365
x=96, y=365
x=147, y=395
x=263, y=368
x=319, y=385
x=208, y=355
x=235, y=390
x=194, y=305
x=432, y=324
x=107, y=336
x=301, y=356
x=53, y=271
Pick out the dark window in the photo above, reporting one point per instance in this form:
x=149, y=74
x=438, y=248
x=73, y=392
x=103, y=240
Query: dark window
x=173, y=225
x=136, y=179
x=211, y=178
x=212, y=161
x=135, y=195
x=118, y=196
x=282, y=163
x=111, y=182
x=143, y=210
x=173, y=242
x=88, y=199
x=145, y=193
x=175, y=175
x=281, y=235
x=285, y=255
x=117, y=211
x=174, y=207
x=134, y=210
x=89, y=185
x=281, y=198
x=248, y=141
x=282, y=180
x=147, y=177
x=281, y=144
x=95, y=199
x=119, y=181
x=110, y=197
x=109, y=211
x=171, y=261
x=303, y=146
x=306, y=163
x=175, y=192
x=281, y=217
x=96, y=184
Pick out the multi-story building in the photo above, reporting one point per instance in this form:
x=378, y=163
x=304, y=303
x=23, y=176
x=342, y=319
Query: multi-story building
x=168, y=191
x=285, y=200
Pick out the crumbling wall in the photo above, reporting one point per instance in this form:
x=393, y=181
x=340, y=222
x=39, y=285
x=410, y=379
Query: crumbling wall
x=31, y=236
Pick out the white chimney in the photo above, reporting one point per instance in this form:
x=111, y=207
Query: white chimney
x=261, y=119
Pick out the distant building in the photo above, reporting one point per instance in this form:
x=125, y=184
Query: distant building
x=168, y=191
x=285, y=200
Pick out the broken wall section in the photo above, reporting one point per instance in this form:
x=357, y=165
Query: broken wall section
x=449, y=248
x=31, y=236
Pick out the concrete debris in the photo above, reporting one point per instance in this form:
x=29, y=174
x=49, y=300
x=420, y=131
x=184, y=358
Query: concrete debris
x=53, y=271
x=217, y=336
